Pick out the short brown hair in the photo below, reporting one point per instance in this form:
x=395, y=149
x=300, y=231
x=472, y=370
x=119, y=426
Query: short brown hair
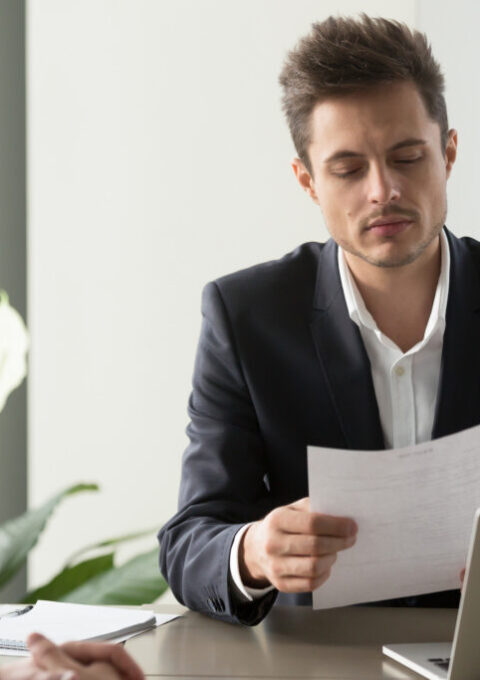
x=343, y=55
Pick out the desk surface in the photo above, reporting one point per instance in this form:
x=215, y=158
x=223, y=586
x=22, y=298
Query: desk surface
x=292, y=643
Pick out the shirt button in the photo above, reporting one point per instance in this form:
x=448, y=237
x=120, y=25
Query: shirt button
x=399, y=370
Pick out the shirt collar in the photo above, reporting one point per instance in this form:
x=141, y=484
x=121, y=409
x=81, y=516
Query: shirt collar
x=362, y=317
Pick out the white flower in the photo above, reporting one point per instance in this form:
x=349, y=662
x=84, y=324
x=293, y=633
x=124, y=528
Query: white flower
x=13, y=349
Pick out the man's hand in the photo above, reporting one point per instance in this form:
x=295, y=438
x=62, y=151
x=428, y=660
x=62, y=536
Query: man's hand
x=73, y=661
x=292, y=548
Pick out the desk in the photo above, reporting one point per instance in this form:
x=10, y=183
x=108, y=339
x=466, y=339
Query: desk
x=292, y=643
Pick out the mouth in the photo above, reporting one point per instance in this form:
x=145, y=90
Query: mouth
x=389, y=227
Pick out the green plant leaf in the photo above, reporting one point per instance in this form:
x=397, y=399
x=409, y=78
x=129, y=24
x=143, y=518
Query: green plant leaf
x=136, y=582
x=71, y=578
x=19, y=535
x=109, y=542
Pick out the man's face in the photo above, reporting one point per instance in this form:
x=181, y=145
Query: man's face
x=376, y=157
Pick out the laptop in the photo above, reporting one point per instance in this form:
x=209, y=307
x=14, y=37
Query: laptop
x=459, y=660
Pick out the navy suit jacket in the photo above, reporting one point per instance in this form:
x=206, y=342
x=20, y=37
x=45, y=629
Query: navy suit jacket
x=280, y=365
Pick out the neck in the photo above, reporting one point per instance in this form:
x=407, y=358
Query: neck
x=400, y=299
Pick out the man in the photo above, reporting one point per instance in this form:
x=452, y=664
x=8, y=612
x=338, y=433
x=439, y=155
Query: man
x=368, y=341
x=72, y=661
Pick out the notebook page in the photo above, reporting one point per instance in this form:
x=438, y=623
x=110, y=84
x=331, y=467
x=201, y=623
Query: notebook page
x=160, y=619
x=61, y=621
x=7, y=608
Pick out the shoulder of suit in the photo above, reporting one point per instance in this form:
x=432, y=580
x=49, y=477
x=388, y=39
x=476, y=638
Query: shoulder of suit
x=296, y=269
x=472, y=245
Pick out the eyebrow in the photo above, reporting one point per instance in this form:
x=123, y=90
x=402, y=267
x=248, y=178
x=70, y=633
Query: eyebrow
x=344, y=153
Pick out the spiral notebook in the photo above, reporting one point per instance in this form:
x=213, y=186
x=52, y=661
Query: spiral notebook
x=62, y=621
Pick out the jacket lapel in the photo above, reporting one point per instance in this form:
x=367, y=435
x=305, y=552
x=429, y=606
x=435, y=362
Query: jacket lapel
x=343, y=358
x=458, y=399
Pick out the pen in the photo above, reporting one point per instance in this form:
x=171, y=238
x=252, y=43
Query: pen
x=17, y=612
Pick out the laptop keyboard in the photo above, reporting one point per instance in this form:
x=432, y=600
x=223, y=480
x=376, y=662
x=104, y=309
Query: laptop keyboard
x=441, y=663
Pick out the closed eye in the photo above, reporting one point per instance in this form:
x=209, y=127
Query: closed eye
x=342, y=175
x=408, y=160
x=349, y=173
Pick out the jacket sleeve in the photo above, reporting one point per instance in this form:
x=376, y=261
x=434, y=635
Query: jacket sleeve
x=223, y=471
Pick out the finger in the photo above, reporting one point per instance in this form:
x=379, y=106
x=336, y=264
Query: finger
x=306, y=545
x=303, y=505
x=304, y=571
x=305, y=567
x=103, y=671
x=48, y=675
x=87, y=652
x=292, y=520
x=295, y=584
x=49, y=656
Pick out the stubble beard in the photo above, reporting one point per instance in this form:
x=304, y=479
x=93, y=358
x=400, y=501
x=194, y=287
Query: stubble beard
x=407, y=258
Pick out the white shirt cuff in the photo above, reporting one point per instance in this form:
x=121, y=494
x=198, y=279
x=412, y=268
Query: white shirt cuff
x=249, y=594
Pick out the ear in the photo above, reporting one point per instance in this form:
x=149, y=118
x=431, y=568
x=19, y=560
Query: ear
x=304, y=179
x=451, y=151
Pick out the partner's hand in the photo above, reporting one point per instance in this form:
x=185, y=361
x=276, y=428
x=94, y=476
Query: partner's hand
x=462, y=578
x=115, y=655
x=293, y=548
x=85, y=660
x=27, y=670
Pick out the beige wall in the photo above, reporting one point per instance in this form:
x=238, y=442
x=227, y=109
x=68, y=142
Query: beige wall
x=158, y=160
x=454, y=36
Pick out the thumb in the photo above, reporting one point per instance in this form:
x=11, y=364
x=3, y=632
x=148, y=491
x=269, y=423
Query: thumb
x=303, y=504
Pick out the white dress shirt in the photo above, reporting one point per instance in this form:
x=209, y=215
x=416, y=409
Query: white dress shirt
x=405, y=384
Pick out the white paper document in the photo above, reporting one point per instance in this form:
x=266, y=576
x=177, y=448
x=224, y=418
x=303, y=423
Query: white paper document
x=414, y=508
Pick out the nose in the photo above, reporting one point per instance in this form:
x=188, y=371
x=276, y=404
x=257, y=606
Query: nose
x=382, y=185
